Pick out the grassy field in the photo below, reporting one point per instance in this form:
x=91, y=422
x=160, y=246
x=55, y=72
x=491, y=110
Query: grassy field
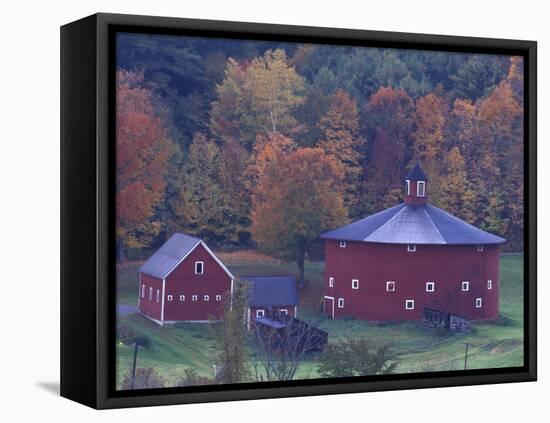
x=491, y=344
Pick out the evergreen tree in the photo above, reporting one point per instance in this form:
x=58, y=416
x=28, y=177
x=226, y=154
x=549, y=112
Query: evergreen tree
x=201, y=204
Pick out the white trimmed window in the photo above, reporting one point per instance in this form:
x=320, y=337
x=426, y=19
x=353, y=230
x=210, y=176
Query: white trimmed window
x=355, y=283
x=158, y=295
x=411, y=248
x=150, y=293
x=421, y=189
x=284, y=311
x=330, y=282
x=340, y=303
x=409, y=304
x=199, y=267
x=206, y=298
x=260, y=313
x=343, y=244
x=489, y=284
x=465, y=286
x=182, y=297
x=430, y=286
x=390, y=286
x=479, y=302
x=194, y=298
x=170, y=297
x=143, y=291
x=408, y=187
x=218, y=297
x=480, y=248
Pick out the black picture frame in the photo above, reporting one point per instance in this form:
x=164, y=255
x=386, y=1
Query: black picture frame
x=87, y=211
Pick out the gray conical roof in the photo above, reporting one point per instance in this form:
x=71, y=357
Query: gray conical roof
x=416, y=174
x=413, y=224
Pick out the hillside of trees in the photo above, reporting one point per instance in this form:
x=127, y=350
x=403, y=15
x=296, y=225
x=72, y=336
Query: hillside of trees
x=262, y=144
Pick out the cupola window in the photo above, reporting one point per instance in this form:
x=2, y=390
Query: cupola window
x=421, y=188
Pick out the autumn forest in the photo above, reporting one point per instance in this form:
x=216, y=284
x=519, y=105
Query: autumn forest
x=252, y=144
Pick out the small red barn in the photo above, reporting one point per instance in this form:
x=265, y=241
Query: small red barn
x=391, y=265
x=271, y=296
x=183, y=281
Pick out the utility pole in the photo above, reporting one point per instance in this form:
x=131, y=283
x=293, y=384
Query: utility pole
x=133, y=381
x=466, y=356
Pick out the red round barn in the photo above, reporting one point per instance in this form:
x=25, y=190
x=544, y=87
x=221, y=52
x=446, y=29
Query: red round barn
x=394, y=264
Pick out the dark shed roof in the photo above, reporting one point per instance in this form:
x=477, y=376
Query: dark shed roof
x=272, y=291
x=416, y=174
x=413, y=224
x=271, y=323
x=169, y=255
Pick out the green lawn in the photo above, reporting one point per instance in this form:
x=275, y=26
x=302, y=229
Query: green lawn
x=491, y=344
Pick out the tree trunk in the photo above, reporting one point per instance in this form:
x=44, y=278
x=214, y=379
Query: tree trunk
x=136, y=347
x=120, y=251
x=300, y=262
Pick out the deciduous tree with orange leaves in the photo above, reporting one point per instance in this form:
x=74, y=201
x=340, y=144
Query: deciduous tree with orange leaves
x=143, y=148
x=390, y=113
x=340, y=129
x=429, y=138
x=456, y=192
x=500, y=118
x=297, y=197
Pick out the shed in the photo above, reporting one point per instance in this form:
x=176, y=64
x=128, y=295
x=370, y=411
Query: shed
x=271, y=294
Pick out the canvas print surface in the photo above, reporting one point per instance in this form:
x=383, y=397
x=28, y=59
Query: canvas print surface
x=290, y=211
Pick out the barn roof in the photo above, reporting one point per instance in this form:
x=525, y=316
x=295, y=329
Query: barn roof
x=172, y=253
x=413, y=224
x=416, y=174
x=272, y=291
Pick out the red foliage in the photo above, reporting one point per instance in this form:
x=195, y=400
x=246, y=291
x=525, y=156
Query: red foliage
x=142, y=150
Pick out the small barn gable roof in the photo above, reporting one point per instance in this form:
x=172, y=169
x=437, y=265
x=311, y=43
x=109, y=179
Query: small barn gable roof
x=272, y=291
x=172, y=253
x=416, y=174
x=413, y=224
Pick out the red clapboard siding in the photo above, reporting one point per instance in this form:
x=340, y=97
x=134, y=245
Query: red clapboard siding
x=183, y=281
x=150, y=307
x=446, y=265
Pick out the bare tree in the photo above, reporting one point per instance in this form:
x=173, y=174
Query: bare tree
x=190, y=377
x=282, y=344
x=142, y=378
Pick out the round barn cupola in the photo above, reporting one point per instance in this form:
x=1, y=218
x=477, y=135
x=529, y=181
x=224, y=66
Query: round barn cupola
x=416, y=186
